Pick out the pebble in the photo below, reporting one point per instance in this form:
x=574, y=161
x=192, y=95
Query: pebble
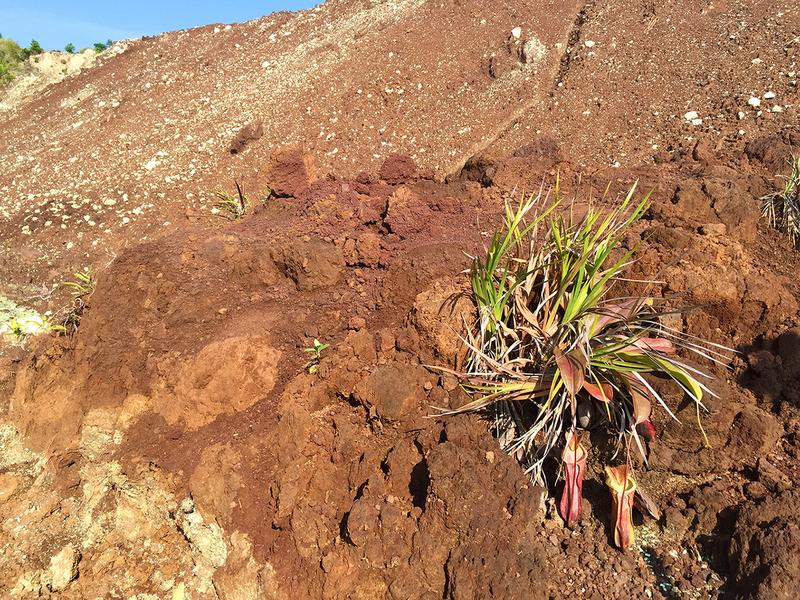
x=691, y=115
x=740, y=115
x=63, y=568
x=516, y=33
x=357, y=323
x=754, y=102
x=777, y=108
x=589, y=43
x=769, y=95
x=696, y=122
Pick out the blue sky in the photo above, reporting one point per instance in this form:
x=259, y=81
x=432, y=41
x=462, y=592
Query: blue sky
x=54, y=24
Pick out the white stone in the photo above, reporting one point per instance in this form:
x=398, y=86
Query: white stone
x=516, y=33
x=691, y=115
x=697, y=122
x=63, y=568
x=777, y=108
x=589, y=43
x=769, y=95
x=754, y=102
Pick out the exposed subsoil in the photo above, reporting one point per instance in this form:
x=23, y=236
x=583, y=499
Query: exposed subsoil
x=177, y=446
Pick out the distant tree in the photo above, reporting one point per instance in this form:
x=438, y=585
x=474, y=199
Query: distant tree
x=35, y=48
x=69, y=48
x=109, y=43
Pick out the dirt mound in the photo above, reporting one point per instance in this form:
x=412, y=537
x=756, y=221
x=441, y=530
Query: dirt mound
x=48, y=68
x=181, y=427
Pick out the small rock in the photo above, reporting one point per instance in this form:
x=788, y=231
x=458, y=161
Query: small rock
x=754, y=102
x=357, y=323
x=394, y=390
x=516, y=33
x=8, y=485
x=691, y=115
x=714, y=229
x=64, y=568
x=697, y=122
x=769, y=95
x=589, y=43
x=777, y=108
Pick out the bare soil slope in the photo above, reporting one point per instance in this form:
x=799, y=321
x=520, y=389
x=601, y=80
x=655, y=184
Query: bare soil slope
x=129, y=148
x=177, y=447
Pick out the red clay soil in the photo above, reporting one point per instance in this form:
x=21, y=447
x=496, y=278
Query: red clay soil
x=178, y=444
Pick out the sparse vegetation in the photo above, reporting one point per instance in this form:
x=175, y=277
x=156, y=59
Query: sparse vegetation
x=234, y=207
x=24, y=326
x=34, y=49
x=316, y=355
x=69, y=48
x=12, y=60
x=782, y=208
x=100, y=46
x=82, y=287
x=553, y=353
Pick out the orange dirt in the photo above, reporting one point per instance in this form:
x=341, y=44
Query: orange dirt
x=178, y=441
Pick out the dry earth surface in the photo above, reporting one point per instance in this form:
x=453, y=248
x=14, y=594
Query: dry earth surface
x=177, y=447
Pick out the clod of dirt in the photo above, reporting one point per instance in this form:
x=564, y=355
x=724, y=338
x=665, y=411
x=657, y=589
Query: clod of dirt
x=225, y=377
x=249, y=133
x=311, y=264
x=393, y=390
x=772, y=151
x=362, y=250
x=397, y=169
x=405, y=212
x=289, y=173
x=478, y=168
x=765, y=549
x=754, y=432
x=438, y=314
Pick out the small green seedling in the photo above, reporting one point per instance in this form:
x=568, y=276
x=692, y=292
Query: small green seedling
x=83, y=285
x=233, y=206
x=316, y=355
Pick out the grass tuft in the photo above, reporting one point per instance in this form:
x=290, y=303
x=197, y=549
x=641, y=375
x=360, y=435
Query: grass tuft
x=235, y=206
x=782, y=208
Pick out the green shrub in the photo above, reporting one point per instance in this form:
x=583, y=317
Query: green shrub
x=34, y=48
x=69, y=48
x=12, y=60
x=100, y=46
